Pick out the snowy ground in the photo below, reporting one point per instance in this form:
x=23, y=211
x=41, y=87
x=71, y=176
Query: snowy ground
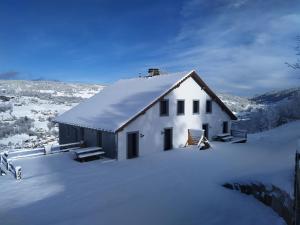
x=174, y=187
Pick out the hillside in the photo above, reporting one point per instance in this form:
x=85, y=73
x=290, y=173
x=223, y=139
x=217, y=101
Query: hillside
x=266, y=111
x=27, y=108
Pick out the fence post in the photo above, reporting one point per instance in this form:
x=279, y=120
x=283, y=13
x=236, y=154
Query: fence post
x=296, y=186
x=0, y=165
x=18, y=172
x=48, y=149
x=7, y=161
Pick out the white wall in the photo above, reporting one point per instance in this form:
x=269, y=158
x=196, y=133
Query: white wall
x=151, y=124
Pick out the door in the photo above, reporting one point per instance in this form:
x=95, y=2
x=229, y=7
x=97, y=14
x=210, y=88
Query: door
x=99, y=138
x=168, y=139
x=225, y=127
x=132, y=145
x=205, y=128
x=81, y=134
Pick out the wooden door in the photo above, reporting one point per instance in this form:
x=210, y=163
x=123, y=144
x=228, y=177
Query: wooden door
x=168, y=139
x=132, y=145
x=205, y=127
x=225, y=127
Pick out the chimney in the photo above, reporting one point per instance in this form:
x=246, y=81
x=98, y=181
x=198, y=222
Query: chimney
x=153, y=72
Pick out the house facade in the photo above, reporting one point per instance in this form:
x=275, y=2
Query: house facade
x=172, y=105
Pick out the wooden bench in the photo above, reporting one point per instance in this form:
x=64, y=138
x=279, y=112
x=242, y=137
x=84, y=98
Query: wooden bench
x=238, y=140
x=227, y=138
x=235, y=136
x=84, y=153
x=223, y=135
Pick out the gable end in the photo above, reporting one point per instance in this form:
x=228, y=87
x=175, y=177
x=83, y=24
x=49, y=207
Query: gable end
x=200, y=82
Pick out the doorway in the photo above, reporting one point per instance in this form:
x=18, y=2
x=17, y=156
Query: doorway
x=132, y=145
x=168, y=139
x=225, y=127
x=205, y=127
x=99, y=138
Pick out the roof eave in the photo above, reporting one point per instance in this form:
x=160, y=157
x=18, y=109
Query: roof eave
x=84, y=126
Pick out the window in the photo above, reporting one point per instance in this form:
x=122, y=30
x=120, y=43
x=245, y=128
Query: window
x=196, y=108
x=208, y=106
x=164, y=107
x=180, y=107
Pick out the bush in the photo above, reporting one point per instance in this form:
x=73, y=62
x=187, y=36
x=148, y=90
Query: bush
x=6, y=107
x=20, y=126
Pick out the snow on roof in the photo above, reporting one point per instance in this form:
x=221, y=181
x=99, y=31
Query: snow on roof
x=116, y=104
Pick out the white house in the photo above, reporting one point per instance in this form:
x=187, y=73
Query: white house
x=139, y=116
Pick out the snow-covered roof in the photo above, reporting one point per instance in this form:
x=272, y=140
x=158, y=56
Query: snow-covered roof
x=118, y=103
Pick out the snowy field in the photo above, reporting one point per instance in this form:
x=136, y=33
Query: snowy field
x=182, y=186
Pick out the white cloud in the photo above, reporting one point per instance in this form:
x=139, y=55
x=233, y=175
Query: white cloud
x=238, y=46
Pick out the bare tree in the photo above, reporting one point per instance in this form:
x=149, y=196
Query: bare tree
x=296, y=65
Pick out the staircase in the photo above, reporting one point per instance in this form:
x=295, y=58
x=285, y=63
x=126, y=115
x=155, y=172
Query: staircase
x=236, y=136
x=226, y=137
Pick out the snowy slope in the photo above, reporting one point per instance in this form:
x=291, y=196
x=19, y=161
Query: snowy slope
x=27, y=108
x=266, y=111
x=277, y=96
x=174, y=187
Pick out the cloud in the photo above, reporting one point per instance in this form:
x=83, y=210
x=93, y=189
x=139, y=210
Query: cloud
x=238, y=46
x=9, y=75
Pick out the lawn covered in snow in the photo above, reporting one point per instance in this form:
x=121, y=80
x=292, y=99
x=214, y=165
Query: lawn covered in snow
x=182, y=186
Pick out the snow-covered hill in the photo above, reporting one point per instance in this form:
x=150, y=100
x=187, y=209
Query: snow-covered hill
x=27, y=107
x=266, y=111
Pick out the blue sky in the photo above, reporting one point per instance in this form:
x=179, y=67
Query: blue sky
x=237, y=46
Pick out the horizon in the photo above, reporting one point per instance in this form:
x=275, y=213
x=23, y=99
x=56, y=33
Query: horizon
x=238, y=47
x=107, y=84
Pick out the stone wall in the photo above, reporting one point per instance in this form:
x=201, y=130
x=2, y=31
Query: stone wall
x=297, y=186
x=272, y=196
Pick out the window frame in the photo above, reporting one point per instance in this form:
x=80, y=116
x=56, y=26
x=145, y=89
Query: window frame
x=177, y=107
x=206, y=106
x=196, y=113
x=167, y=107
